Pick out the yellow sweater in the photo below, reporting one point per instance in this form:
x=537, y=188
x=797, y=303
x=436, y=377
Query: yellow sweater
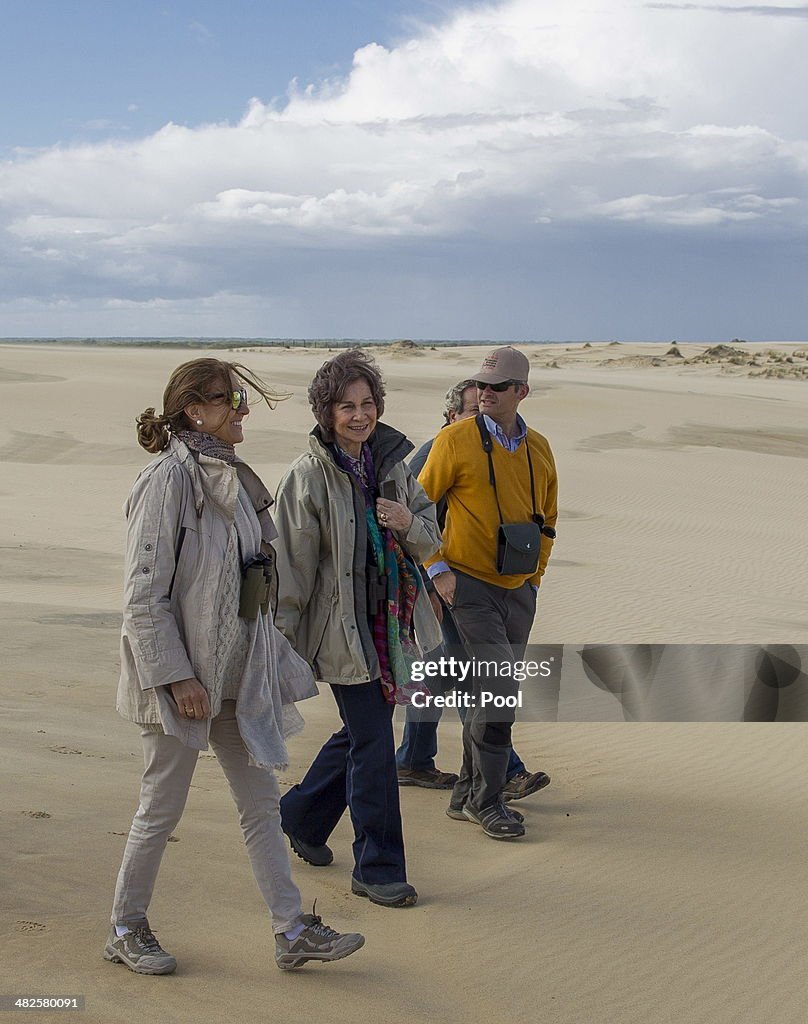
x=458, y=468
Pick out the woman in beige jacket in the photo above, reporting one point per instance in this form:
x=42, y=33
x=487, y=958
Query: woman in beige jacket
x=353, y=525
x=202, y=662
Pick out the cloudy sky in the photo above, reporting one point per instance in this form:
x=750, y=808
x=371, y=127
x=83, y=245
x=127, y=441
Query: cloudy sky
x=525, y=169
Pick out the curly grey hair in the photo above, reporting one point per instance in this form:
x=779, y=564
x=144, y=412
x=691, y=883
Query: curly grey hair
x=454, y=398
x=334, y=376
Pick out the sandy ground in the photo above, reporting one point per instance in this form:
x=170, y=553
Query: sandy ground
x=663, y=876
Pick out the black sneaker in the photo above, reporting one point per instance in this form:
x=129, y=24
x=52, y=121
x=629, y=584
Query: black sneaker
x=140, y=951
x=317, y=856
x=496, y=821
x=386, y=894
x=316, y=942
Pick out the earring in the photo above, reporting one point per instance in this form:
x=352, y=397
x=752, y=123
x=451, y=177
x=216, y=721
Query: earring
x=199, y=423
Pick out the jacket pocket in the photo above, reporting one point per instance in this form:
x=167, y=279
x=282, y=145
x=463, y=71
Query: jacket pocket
x=324, y=615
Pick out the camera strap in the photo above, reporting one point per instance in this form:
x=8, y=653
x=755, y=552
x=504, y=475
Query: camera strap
x=488, y=444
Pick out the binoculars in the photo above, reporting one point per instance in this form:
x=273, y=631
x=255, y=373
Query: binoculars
x=256, y=579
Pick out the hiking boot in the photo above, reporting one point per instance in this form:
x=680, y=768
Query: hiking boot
x=317, y=856
x=386, y=894
x=316, y=942
x=456, y=813
x=426, y=778
x=523, y=784
x=140, y=951
x=496, y=821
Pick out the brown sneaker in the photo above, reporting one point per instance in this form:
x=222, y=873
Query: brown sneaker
x=427, y=778
x=523, y=784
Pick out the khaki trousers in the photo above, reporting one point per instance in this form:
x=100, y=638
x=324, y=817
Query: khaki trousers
x=169, y=767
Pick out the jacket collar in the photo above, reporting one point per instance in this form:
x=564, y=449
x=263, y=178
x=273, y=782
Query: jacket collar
x=252, y=483
x=387, y=446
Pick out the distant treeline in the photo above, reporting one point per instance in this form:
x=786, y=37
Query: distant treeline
x=229, y=343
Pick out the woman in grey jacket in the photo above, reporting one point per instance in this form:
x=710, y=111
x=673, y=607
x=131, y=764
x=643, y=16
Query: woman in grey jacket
x=201, y=660
x=353, y=525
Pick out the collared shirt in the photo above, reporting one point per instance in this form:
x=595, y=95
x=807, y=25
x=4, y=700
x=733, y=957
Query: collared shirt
x=510, y=444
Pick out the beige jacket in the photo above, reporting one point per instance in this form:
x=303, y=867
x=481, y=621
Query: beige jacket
x=179, y=515
x=321, y=604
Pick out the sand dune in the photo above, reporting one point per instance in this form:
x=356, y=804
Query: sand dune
x=661, y=879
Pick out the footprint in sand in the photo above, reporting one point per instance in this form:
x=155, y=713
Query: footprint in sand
x=64, y=750
x=29, y=926
x=36, y=814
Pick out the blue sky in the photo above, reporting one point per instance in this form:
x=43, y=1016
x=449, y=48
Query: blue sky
x=521, y=169
x=77, y=71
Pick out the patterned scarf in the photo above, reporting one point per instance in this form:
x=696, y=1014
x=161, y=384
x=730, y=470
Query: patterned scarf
x=208, y=445
x=393, y=636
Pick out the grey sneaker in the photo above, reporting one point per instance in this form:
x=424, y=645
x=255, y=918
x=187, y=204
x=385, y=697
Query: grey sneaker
x=140, y=951
x=496, y=821
x=316, y=942
x=457, y=813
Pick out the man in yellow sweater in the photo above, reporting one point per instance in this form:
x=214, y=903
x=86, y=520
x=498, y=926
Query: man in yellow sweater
x=498, y=476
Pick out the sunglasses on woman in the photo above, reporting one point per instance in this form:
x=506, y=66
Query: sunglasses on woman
x=237, y=397
x=499, y=388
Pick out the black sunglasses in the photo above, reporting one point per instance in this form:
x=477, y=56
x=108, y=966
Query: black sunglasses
x=499, y=388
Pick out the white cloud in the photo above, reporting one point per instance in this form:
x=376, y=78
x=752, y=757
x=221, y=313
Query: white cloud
x=720, y=207
x=201, y=31
x=501, y=121
x=763, y=10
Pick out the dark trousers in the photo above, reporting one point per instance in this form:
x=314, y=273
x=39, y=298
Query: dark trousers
x=356, y=768
x=494, y=624
x=419, y=744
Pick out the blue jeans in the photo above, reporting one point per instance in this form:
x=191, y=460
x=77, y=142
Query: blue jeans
x=355, y=768
x=419, y=744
